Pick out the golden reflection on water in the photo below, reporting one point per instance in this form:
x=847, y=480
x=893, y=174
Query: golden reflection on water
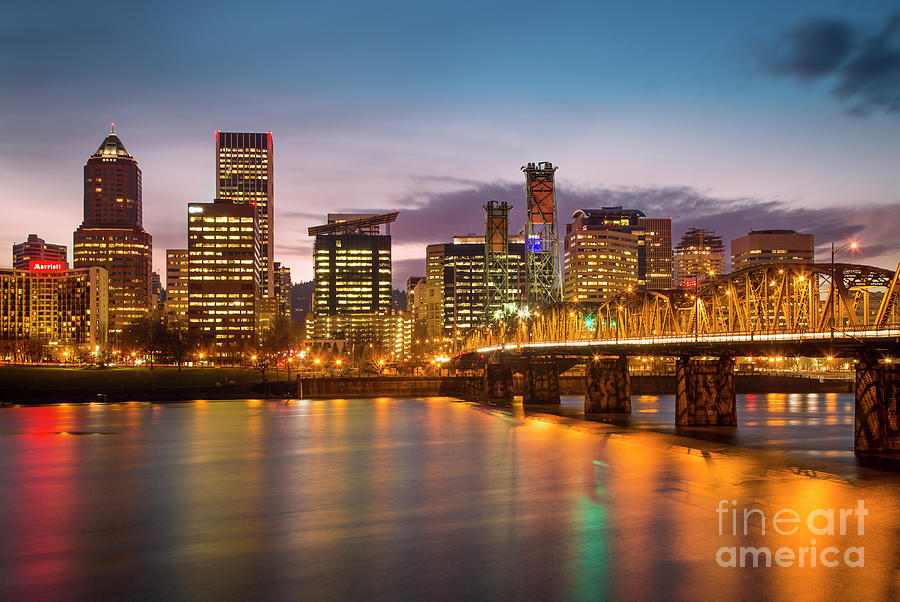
x=421, y=499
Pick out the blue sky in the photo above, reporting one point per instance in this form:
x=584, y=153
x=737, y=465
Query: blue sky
x=785, y=114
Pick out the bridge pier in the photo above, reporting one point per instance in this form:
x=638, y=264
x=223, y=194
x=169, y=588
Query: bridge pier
x=704, y=394
x=877, y=396
x=497, y=383
x=607, y=387
x=541, y=384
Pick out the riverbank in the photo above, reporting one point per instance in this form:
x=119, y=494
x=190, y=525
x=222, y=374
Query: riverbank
x=41, y=384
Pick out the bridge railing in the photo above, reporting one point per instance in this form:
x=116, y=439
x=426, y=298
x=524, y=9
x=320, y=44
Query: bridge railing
x=861, y=333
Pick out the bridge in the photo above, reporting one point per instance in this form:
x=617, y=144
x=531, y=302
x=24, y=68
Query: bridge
x=814, y=310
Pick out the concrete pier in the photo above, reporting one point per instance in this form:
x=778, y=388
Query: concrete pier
x=877, y=396
x=541, y=384
x=497, y=383
x=704, y=394
x=607, y=386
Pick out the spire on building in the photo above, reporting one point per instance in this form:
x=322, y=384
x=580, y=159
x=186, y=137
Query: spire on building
x=112, y=146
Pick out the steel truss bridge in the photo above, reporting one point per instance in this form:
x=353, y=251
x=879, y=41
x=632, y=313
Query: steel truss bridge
x=806, y=309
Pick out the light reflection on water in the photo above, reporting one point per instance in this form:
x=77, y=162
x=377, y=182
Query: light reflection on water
x=806, y=424
x=401, y=498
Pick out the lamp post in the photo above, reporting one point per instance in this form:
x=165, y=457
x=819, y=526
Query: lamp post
x=847, y=245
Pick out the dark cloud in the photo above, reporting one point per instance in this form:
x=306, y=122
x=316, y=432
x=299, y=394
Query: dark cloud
x=871, y=79
x=812, y=49
x=435, y=217
x=864, y=67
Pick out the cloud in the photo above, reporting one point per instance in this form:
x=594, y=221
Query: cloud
x=812, y=50
x=871, y=79
x=863, y=68
x=435, y=216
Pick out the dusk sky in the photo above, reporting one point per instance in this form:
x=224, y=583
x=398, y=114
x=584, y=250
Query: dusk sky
x=723, y=115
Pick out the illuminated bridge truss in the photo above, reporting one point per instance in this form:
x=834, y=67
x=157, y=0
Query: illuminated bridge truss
x=778, y=298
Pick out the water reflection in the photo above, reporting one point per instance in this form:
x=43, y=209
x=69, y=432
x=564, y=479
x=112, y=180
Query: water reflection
x=401, y=498
x=805, y=424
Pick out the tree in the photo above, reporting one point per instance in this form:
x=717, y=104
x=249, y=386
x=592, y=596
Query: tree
x=33, y=350
x=146, y=336
x=273, y=343
x=179, y=341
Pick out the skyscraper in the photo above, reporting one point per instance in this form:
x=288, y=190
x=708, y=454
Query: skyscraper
x=283, y=290
x=35, y=249
x=223, y=274
x=352, y=271
x=456, y=290
x=244, y=174
x=599, y=264
x=602, y=245
x=112, y=234
x=699, y=256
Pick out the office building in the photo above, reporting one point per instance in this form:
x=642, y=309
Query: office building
x=699, y=256
x=760, y=247
x=244, y=175
x=177, y=285
x=283, y=290
x=55, y=305
x=415, y=297
x=599, y=264
x=456, y=289
x=35, y=249
x=223, y=274
x=352, y=271
x=656, y=235
x=610, y=249
x=653, y=237
x=112, y=236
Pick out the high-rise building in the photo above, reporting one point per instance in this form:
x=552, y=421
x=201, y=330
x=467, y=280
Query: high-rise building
x=283, y=289
x=599, y=264
x=456, y=290
x=53, y=304
x=656, y=235
x=157, y=292
x=223, y=273
x=352, y=271
x=35, y=249
x=699, y=256
x=771, y=246
x=177, y=284
x=112, y=235
x=244, y=174
x=610, y=249
x=415, y=297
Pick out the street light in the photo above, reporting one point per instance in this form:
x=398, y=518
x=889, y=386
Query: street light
x=847, y=245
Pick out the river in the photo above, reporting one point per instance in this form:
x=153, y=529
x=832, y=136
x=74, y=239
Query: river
x=431, y=499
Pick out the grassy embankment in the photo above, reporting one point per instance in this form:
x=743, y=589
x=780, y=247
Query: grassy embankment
x=25, y=384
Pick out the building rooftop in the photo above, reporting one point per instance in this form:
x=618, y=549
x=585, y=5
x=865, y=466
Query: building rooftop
x=606, y=212
x=112, y=146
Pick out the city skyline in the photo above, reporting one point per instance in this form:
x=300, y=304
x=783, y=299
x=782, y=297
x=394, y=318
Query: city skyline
x=766, y=117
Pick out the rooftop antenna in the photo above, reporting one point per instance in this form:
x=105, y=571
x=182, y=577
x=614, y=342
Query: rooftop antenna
x=112, y=127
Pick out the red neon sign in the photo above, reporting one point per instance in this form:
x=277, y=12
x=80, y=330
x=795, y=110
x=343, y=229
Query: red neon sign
x=47, y=266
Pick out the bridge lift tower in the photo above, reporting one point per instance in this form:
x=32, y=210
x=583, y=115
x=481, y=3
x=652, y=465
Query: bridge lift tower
x=541, y=240
x=496, y=260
